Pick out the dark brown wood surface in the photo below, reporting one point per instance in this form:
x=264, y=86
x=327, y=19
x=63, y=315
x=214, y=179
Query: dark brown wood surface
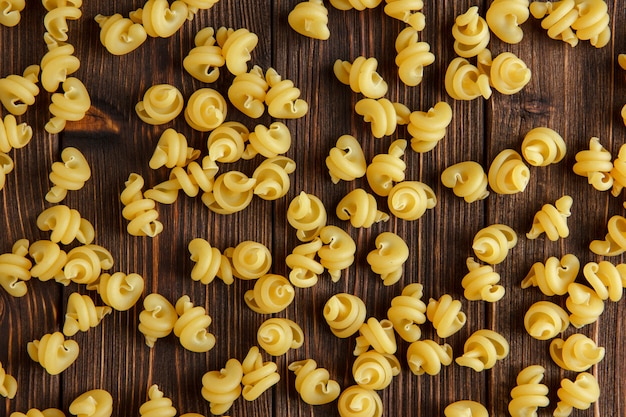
x=576, y=91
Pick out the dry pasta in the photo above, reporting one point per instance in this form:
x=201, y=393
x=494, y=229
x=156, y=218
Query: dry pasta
x=8, y=384
x=412, y=55
x=157, y=405
x=360, y=208
x=554, y=276
x=191, y=326
x=65, y=225
x=268, y=141
x=55, y=20
x=205, y=60
x=310, y=18
x=120, y=35
x=314, y=384
x=379, y=335
x=306, y=213
x=361, y=76
x=94, y=403
x=426, y=356
x=481, y=282
x=283, y=98
x=84, y=264
x=231, y=192
x=250, y=260
x=159, y=18
x=579, y=394
x=615, y=241
x=71, y=174
x=71, y=105
x=465, y=408
x=157, y=319
x=467, y=179
x=6, y=166
x=355, y=4
x=196, y=5
x=15, y=269
x=227, y=142
x=120, y=291
x=11, y=15
x=237, y=46
x=543, y=146
x=57, y=63
x=464, y=81
x=195, y=177
x=385, y=169
x=606, y=279
x=222, y=388
x=504, y=18
x=446, y=316
x=82, y=314
x=407, y=312
x=482, y=349
x=305, y=269
x=271, y=294
x=138, y=209
x=33, y=412
x=409, y=200
x=593, y=22
x=544, y=320
x=618, y=173
x=528, y=394
x=552, y=220
x=576, y=353
x=470, y=33
x=389, y=257
x=374, y=370
x=356, y=401
x=408, y=11
x=272, y=177
x=49, y=260
x=172, y=150
x=344, y=313
x=209, y=263
x=258, y=376
x=17, y=92
x=277, y=335
x=337, y=253
x=596, y=165
x=206, y=109
x=508, y=74
x=247, y=92
x=161, y=104
x=428, y=128
x=53, y=352
x=557, y=19
x=383, y=115
x=584, y=305
x=12, y=135
x=507, y=173
x=492, y=243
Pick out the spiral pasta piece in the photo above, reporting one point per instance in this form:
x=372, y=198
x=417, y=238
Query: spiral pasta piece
x=55, y=20
x=383, y=115
x=57, y=64
x=507, y=173
x=283, y=98
x=360, y=208
x=504, y=18
x=277, y=335
x=306, y=213
x=464, y=81
x=232, y=192
x=409, y=200
x=344, y=313
x=470, y=32
x=576, y=353
x=12, y=135
x=361, y=76
x=446, y=316
x=378, y=335
x=579, y=394
x=544, y=320
x=258, y=376
x=17, y=92
x=389, y=257
x=272, y=177
x=8, y=384
x=465, y=408
x=49, y=260
x=196, y=5
x=492, y=243
x=385, y=169
x=6, y=166
x=206, y=109
x=543, y=146
x=557, y=18
x=355, y=4
x=237, y=46
x=596, y=165
x=159, y=18
x=426, y=356
x=209, y=263
x=71, y=105
x=554, y=276
x=158, y=405
x=618, y=172
x=584, y=305
x=71, y=174
x=227, y=142
x=15, y=269
x=305, y=269
x=191, y=326
x=268, y=141
x=161, y=104
x=82, y=314
x=374, y=370
x=11, y=15
x=221, y=388
x=248, y=91
x=528, y=394
x=65, y=225
x=407, y=312
x=346, y=160
x=552, y=220
x=481, y=282
x=53, y=352
x=33, y=412
x=84, y=265
x=338, y=250
x=138, y=209
x=120, y=35
x=592, y=23
x=120, y=291
x=357, y=401
x=606, y=279
x=482, y=349
x=314, y=384
x=508, y=74
x=172, y=150
x=408, y=11
x=467, y=179
x=271, y=294
x=310, y=18
x=428, y=128
x=615, y=241
x=412, y=56
x=157, y=319
x=196, y=177
x=250, y=260
x=94, y=403
x=204, y=61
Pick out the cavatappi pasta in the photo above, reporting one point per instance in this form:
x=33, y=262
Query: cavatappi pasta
x=383, y=115
x=584, y=305
x=271, y=294
x=15, y=269
x=82, y=314
x=361, y=76
x=222, y=388
x=53, y=352
x=191, y=326
x=356, y=401
x=385, y=169
x=379, y=335
x=204, y=61
x=93, y=403
x=84, y=264
x=120, y=35
x=446, y=316
x=17, y=92
x=161, y=104
x=209, y=263
x=467, y=179
x=427, y=357
x=552, y=220
x=172, y=150
x=471, y=33
x=306, y=213
x=544, y=320
x=277, y=335
x=529, y=393
x=389, y=257
x=305, y=268
x=579, y=394
x=504, y=18
x=412, y=55
x=344, y=313
x=71, y=174
x=337, y=252
x=8, y=384
x=492, y=243
x=360, y=208
x=554, y=276
x=407, y=312
x=543, y=146
x=283, y=98
x=157, y=319
x=481, y=282
x=159, y=18
x=65, y=225
x=120, y=291
x=507, y=173
x=374, y=370
x=258, y=376
x=428, y=128
x=314, y=384
x=310, y=18
x=408, y=11
x=482, y=349
x=576, y=353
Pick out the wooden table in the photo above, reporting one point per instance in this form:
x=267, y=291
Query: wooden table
x=576, y=91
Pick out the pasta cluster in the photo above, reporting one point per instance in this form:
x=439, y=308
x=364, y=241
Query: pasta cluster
x=271, y=294
x=552, y=220
x=191, y=179
x=426, y=356
x=94, y=403
x=407, y=312
x=8, y=384
x=412, y=55
x=467, y=179
x=554, y=276
x=482, y=349
x=579, y=394
x=361, y=76
x=310, y=18
x=15, y=269
x=428, y=128
x=492, y=243
x=139, y=210
x=82, y=314
x=385, y=169
x=504, y=18
x=314, y=384
x=529, y=393
x=161, y=104
x=344, y=313
x=544, y=320
x=11, y=15
x=576, y=353
x=374, y=370
x=481, y=282
x=191, y=326
x=379, y=335
x=389, y=257
x=277, y=335
x=53, y=352
x=71, y=174
x=359, y=401
x=17, y=92
x=383, y=115
x=222, y=388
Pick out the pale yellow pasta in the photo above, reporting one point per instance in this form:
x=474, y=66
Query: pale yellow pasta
x=258, y=376
x=195, y=177
x=305, y=269
x=94, y=403
x=528, y=394
x=504, y=18
x=346, y=161
x=65, y=225
x=426, y=356
x=465, y=408
x=463, y=81
x=194, y=7
x=17, y=92
x=231, y=192
x=554, y=276
x=247, y=92
x=237, y=45
x=53, y=352
x=272, y=177
x=172, y=150
x=592, y=23
x=71, y=174
x=344, y=313
x=55, y=20
x=138, y=209
x=222, y=388
x=361, y=76
x=383, y=115
x=492, y=243
x=49, y=260
x=120, y=35
x=385, y=169
x=374, y=370
x=446, y=316
x=481, y=282
x=378, y=335
x=268, y=141
x=407, y=312
x=596, y=165
x=615, y=241
x=579, y=394
x=12, y=135
x=120, y=291
x=606, y=279
x=227, y=142
x=508, y=174
x=314, y=384
x=584, y=305
x=508, y=74
x=310, y=18
x=157, y=405
x=576, y=353
x=544, y=320
x=428, y=128
x=482, y=349
x=33, y=412
x=356, y=401
x=277, y=335
x=159, y=18
x=205, y=60
x=389, y=257
x=209, y=263
x=157, y=319
x=306, y=213
x=271, y=294
x=408, y=11
x=206, y=109
x=409, y=200
x=467, y=179
x=361, y=208
x=552, y=220
x=191, y=326
x=57, y=63
x=10, y=15
x=250, y=260
x=543, y=146
x=557, y=18
x=71, y=105
x=82, y=314
x=161, y=104
x=618, y=173
x=470, y=33
x=15, y=269
x=84, y=264
x=412, y=55
x=355, y=4
x=337, y=253
x=8, y=384
x=283, y=98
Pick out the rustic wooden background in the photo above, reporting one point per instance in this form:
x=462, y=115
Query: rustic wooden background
x=576, y=91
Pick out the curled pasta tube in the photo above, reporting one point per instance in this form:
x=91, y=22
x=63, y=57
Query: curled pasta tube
x=272, y=177
x=258, y=376
x=618, y=172
x=120, y=35
x=72, y=105
x=53, y=352
x=310, y=18
x=507, y=173
x=48, y=258
x=482, y=349
x=138, y=209
x=346, y=161
x=470, y=32
x=552, y=220
x=190, y=180
x=445, y=315
x=161, y=104
x=65, y=225
x=159, y=18
x=615, y=241
x=355, y=4
x=428, y=128
x=196, y=5
x=378, y=335
x=465, y=408
x=55, y=20
x=250, y=260
x=407, y=11
x=427, y=357
x=221, y=388
x=554, y=276
x=576, y=353
x=277, y=335
x=210, y=263
x=360, y=208
x=584, y=305
x=268, y=141
x=383, y=115
x=606, y=279
x=314, y=384
x=248, y=91
x=237, y=45
x=344, y=313
x=271, y=294
x=191, y=326
x=157, y=404
x=504, y=18
x=282, y=98
x=579, y=394
x=306, y=213
x=17, y=92
x=492, y=243
x=94, y=403
x=409, y=200
x=385, y=169
x=481, y=282
x=71, y=174
x=338, y=250
x=205, y=60
x=227, y=142
x=119, y=290
x=11, y=15
x=558, y=18
x=467, y=179
x=361, y=76
x=508, y=74
x=172, y=151
x=305, y=269
x=389, y=257
x=543, y=146
x=84, y=264
x=407, y=312
x=206, y=109
x=157, y=319
x=12, y=135
x=15, y=269
x=356, y=400
x=596, y=165
x=464, y=81
x=528, y=393
x=592, y=23
x=6, y=166
x=232, y=192
x=374, y=370
x=57, y=64
x=82, y=314
x=412, y=56
x=544, y=320
x=8, y=384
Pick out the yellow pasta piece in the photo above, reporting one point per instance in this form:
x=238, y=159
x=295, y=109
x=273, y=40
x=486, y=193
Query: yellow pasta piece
x=268, y=141
x=221, y=388
x=463, y=81
x=283, y=98
x=172, y=150
x=552, y=220
x=277, y=335
x=71, y=105
x=558, y=18
x=383, y=115
x=12, y=135
x=576, y=353
x=407, y=312
x=584, y=305
x=271, y=294
x=305, y=269
x=481, y=282
x=356, y=401
x=209, y=263
x=94, y=403
x=227, y=142
x=361, y=76
x=606, y=279
x=53, y=352
x=65, y=225
x=8, y=384
x=615, y=241
x=492, y=243
x=465, y=408
x=237, y=45
x=360, y=208
x=618, y=172
x=120, y=35
x=378, y=335
x=258, y=376
x=314, y=384
x=159, y=18
x=310, y=18
x=596, y=165
x=191, y=326
x=49, y=259
x=195, y=177
x=592, y=23
x=205, y=60
x=194, y=6
x=428, y=128
x=306, y=213
x=84, y=265
x=11, y=15
x=482, y=349
x=528, y=394
x=554, y=276
x=250, y=260
x=508, y=74
x=33, y=412
x=17, y=92
x=579, y=394
x=15, y=269
x=385, y=169
x=355, y=4
x=158, y=318
x=470, y=33
x=409, y=200
x=446, y=316
x=412, y=55
x=344, y=313
x=389, y=257
x=408, y=11
x=374, y=370
x=338, y=251
x=544, y=320
x=119, y=290
x=57, y=63
x=426, y=356
x=55, y=20
x=82, y=314
x=157, y=405
x=71, y=174
x=6, y=166
x=138, y=209
x=248, y=91
x=504, y=18
x=507, y=173
x=467, y=179
x=206, y=109
x=543, y=146
x=161, y=104
x=231, y=192
x=272, y=177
